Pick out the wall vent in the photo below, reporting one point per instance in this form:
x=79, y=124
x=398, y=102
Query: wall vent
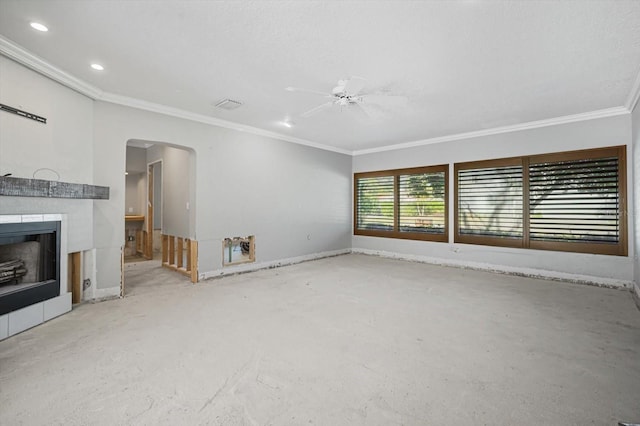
x=228, y=104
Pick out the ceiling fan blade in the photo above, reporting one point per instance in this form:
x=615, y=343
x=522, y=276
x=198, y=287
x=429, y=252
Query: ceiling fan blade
x=354, y=85
x=315, y=92
x=360, y=109
x=316, y=109
x=385, y=100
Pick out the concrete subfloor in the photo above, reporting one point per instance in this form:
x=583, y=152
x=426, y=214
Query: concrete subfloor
x=347, y=340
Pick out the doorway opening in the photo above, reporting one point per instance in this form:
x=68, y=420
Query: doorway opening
x=153, y=222
x=159, y=203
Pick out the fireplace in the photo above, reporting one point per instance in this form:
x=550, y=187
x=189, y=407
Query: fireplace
x=29, y=264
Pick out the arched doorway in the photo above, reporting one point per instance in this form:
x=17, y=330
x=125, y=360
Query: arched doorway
x=159, y=210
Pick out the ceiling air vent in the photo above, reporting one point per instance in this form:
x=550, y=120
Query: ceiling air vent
x=228, y=104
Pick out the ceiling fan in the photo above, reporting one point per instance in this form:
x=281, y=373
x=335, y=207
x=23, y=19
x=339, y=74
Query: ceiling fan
x=348, y=94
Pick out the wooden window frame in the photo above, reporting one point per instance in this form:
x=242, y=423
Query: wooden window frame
x=618, y=249
x=396, y=233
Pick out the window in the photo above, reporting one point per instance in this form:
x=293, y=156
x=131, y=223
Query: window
x=375, y=201
x=571, y=201
x=576, y=200
x=404, y=203
x=490, y=202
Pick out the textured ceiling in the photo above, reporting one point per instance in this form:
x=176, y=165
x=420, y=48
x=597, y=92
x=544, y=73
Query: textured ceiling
x=464, y=66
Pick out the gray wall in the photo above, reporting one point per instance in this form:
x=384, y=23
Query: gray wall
x=135, y=193
x=178, y=189
x=135, y=181
x=634, y=167
x=157, y=196
x=581, y=135
x=293, y=198
x=136, y=160
x=63, y=144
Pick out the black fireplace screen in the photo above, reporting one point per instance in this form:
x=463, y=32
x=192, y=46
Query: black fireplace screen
x=29, y=264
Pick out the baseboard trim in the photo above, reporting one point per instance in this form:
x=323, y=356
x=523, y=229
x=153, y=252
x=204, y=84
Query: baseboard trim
x=251, y=267
x=501, y=269
x=101, y=294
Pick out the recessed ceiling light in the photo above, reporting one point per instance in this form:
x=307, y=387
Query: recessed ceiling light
x=288, y=123
x=97, y=67
x=38, y=26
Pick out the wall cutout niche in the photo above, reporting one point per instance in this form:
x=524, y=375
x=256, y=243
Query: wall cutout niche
x=238, y=250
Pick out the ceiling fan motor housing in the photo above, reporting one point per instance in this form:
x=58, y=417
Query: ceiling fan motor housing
x=338, y=90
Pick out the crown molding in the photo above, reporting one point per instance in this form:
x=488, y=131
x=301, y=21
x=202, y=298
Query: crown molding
x=200, y=118
x=12, y=51
x=634, y=95
x=609, y=112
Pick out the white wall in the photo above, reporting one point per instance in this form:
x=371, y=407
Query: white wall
x=294, y=199
x=582, y=135
x=64, y=144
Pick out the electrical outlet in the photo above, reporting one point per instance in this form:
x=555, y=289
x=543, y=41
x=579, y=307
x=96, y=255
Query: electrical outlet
x=130, y=209
x=131, y=238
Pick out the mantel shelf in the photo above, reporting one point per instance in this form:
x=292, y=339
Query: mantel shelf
x=22, y=187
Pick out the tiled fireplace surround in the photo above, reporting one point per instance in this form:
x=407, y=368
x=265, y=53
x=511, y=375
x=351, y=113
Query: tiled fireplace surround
x=30, y=316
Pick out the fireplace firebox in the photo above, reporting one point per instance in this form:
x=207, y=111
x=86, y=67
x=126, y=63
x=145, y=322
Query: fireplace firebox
x=29, y=264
